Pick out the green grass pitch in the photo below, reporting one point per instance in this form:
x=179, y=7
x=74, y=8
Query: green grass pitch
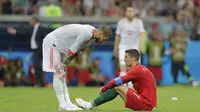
x=44, y=100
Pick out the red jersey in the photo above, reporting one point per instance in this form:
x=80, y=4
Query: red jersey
x=143, y=82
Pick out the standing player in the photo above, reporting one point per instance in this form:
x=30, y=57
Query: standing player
x=68, y=41
x=142, y=98
x=130, y=34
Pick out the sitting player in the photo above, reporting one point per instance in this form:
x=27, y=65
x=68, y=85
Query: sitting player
x=142, y=98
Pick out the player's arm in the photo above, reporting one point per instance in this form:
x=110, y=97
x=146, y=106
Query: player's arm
x=130, y=76
x=117, y=39
x=75, y=49
x=142, y=36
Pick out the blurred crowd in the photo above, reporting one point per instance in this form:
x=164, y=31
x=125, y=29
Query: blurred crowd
x=186, y=13
x=12, y=72
x=100, y=7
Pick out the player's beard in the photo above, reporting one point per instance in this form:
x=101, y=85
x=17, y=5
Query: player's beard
x=97, y=41
x=130, y=18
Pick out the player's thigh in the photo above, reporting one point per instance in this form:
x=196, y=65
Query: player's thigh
x=51, y=57
x=135, y=101
x=121, y=56
x=122, y=91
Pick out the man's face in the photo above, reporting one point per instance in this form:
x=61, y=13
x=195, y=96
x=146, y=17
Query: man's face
x=129, y=13
x=128, y=60
x=32, y=21
x=100, y=37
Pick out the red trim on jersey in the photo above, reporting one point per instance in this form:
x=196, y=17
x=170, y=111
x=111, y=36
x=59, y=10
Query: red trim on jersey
x=70, y=52
x=118, y=34
x=51, y=57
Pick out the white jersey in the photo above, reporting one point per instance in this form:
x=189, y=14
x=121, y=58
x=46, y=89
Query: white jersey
x=129, y=33
x=70, y=38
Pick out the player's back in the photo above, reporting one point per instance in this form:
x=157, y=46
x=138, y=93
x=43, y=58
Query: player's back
x=144, y=83
x=65, y=36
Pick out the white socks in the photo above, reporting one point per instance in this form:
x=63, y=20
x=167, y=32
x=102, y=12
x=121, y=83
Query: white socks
x=60, y=87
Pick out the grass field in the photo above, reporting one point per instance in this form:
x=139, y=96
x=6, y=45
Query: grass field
x=44, y=100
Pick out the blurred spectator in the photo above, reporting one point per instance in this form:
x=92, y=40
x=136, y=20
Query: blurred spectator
x=6, y=7
x=170, y=8
x=51, y=9
x=112, y=8
x=123, y=4
x=10, y=74
x=168, y=27
x=32, y=76
x=179, y=20
x=152, y=11
x=20, y=6
x=196, y=30
x=20, y=75
x=140, y=10
x=96, y=77
x=71, y=70
x=88, y=7
x=188, y=17
x=155, y=52
x=155, y=34
x=71, y=7
x=83, y=74
x=3, y=62
x=36, y=37
x=178, y=48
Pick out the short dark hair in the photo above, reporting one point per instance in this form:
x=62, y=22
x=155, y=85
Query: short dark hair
x=133, y=53
x=106, y=30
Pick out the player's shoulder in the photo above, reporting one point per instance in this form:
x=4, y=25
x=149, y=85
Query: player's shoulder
x=138, y=20
x=122, y=20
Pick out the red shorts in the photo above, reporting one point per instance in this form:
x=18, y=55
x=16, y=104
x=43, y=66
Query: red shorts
x=134, y=101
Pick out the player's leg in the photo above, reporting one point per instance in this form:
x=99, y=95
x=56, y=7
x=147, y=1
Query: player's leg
x=185, y=70
x=132, y=99
x=59, y=83
x=175, y=71
x=52, y=57
x=106, y=96
x=122, y=91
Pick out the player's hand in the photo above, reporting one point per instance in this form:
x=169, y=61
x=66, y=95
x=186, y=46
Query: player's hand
x=102, y=89
x=11, y=30
x=60, y=69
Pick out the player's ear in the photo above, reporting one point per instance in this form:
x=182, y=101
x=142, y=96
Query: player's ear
x=133, y=59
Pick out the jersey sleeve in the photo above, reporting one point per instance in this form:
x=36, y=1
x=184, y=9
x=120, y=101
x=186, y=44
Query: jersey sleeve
x=79, y=43
x=119, y=28
x=130, y=76
x=141, y=26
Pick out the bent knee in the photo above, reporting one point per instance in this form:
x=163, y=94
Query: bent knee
x=119, y=87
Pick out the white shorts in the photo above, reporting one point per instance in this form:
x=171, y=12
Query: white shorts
x=121, y=56
x=51, y=57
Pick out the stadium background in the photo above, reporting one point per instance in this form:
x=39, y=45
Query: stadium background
x=17, y=13
x=12, y=46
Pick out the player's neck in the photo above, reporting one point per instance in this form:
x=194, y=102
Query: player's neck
x=134, y=64
x=130, y=20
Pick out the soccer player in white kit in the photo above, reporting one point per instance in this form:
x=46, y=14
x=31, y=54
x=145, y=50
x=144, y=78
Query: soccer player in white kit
x=61, y=46
x=130, y=34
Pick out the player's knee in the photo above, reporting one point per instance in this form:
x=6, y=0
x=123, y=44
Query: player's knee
x=118, y=88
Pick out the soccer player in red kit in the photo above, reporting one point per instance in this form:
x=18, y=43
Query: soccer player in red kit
x=142, y=97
